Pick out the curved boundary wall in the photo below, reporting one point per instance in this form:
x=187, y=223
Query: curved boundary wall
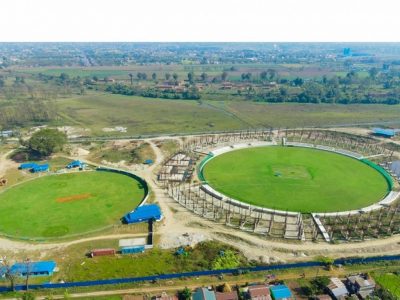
x=129, y=174
x=237, y=271
x=381, y=170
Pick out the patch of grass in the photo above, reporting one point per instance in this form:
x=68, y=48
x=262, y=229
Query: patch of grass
x=31, y=209
x=152, y=262
x=389, y=282
x=295, y=179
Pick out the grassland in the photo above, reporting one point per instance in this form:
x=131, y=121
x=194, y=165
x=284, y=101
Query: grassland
x=68, y=204
x=390, y=282
x=295, y=179
x=140, y=116
x=143, y=115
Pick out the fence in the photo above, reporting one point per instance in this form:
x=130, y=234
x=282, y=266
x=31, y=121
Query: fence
x=236, y=271
x=141, y=180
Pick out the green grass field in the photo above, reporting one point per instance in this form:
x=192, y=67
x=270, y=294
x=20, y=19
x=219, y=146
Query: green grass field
x=68, y=204
x=390, y=282
x=295, y=179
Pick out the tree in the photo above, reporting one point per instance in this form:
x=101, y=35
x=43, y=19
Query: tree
x=28, y=270
x=47, y=141
x=190, y=77
x=175, y=76
x=131, y=77
x=8, y=273
x=167, y=76
x=263, y=75
x=373, y=72
x=185, y=294
x=204, y=76
x=154, y=76
x=224, y=76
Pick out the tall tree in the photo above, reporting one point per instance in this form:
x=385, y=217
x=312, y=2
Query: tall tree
x=47, y=141
x=131, y=77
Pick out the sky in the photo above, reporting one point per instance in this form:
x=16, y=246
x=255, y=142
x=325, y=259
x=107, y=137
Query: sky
x=200, y=20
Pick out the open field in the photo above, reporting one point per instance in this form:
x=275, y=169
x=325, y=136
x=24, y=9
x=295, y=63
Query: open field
x=143, y=115
x=295, y=179
x=140, y=115
x=37, y=208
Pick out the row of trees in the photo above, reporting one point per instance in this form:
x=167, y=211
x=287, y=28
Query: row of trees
x=312, y=92
x=190, y=93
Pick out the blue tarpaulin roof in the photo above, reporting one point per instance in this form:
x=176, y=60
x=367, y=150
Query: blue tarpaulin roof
x=383, y=131
x=35, y=268
x=40, y=168
x=28, y=165
x=143, y=213
x=280, y=292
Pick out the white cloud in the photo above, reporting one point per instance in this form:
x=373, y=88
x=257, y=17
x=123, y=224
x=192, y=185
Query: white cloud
x=199, y=20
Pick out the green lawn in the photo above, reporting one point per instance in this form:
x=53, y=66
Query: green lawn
x=68, y=204
x=295, y=179
x=390, y=282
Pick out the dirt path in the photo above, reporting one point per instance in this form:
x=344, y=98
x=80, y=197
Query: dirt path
x=5, y=163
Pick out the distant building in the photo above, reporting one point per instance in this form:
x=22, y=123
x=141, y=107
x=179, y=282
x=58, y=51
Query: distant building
x=337, y=289
x=361, y=285
x=347, y=52
x=203, y=294
x=259, y=292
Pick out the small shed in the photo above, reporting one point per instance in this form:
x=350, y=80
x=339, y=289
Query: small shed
x=132, y=250
x=27, y=166
x=280, y=292
x=40, y=168
x=144, y=213
x=40, y=268
x=102, y=252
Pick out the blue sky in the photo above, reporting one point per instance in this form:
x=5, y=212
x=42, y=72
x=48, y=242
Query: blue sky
x=205, y=20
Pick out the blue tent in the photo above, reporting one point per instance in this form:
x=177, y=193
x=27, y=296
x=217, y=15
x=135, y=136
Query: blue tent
x=28, y=165
x=143, y=213
x=40, y=268
x=40, y=168
x=384, y=132
x=280, y=292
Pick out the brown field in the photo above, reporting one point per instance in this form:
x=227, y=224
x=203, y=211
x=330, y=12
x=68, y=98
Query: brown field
x=74, y=198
